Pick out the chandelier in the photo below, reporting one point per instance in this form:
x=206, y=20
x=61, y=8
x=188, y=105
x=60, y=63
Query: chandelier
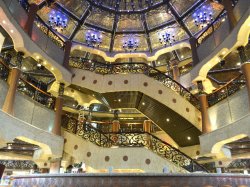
x=58, y=21
x=166, y=38
x=93, y=38
x=131, y=44
x=203, y=17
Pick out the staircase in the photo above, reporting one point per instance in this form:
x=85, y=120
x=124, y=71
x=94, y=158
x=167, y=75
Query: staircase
x=132, y=139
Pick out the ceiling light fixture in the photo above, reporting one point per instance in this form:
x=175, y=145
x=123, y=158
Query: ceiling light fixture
x=203, y=17
x=166, y=38
x=167, y=119
x=189, y=138
x=131, y=44
x=57, y=21
x=93, y=38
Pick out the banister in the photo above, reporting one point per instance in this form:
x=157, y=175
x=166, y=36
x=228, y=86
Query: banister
x=134, y=139
x=124, y=68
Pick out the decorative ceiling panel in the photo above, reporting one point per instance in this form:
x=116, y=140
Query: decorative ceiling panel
x=176, y=32
x=101, y=18
x=158, y=17
x=215, y=8
x=183, y=5
x=77, y=7
x=120, y=39
x=130, y=22
x=81, y=38
x=44, y=14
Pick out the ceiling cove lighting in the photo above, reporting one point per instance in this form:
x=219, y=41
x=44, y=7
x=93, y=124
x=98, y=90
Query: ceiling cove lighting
x=131, y=44
x=203, y=16
x=93, y=38
x=57, y=21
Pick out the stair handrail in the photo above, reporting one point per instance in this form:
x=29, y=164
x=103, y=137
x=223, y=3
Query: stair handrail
x=137, y=139
x=143, y=68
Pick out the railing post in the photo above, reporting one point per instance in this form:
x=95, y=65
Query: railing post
x=31, y=18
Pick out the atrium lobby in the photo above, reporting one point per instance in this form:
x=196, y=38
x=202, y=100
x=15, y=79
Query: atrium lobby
x=123, y=93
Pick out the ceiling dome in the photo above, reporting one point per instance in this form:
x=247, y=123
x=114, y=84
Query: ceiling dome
x=120, y=26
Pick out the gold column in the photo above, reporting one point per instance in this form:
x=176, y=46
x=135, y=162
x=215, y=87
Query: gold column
x=13, y=79
x=115, y=126
x=58, y=115
x=55, y=166
x=58, y=111
x=147, y=126
x=176, y=71
x=246, y=71
x=206, y=126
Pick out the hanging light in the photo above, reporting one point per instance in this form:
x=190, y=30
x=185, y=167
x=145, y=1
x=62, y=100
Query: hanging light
x=203, y=17
x=93, y=38
x=131, y=44
x=57, y=21
x=166, y=38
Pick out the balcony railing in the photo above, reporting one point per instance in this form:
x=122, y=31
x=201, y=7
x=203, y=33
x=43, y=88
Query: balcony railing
x=132, y=139
x=229, y=89
x=134, y=68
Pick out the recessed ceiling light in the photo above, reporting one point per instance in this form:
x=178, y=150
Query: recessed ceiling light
x=44, y=62
x=52, y=68
x=223, y=52
x=158, y=62
x=143, y=103
x=11, y=31
x=23, y=68
x=93, y=95
x=4, y=21
x=74, y=105
x=223, y=20
x=167, y=119
x=238, y=64
x=248, y=24
x=189, y=138
x=119, y=100
x=182, y=56
x=37, y=57
x=80, y=47
x=39, y=65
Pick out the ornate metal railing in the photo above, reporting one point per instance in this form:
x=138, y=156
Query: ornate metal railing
x=49, y=32
x=132, y=139
x=213, y=27
x=229, y=89
x=136, y=68
x=18, y=164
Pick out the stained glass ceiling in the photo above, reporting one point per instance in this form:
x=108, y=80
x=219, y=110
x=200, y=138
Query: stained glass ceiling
x=119, y=21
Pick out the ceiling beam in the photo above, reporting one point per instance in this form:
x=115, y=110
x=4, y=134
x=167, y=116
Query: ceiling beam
x=66, y=11
x=145, y=25
x=178, y=19
x=81, y=22
x=111, y=46
x=97, y=27
x=114, y=11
